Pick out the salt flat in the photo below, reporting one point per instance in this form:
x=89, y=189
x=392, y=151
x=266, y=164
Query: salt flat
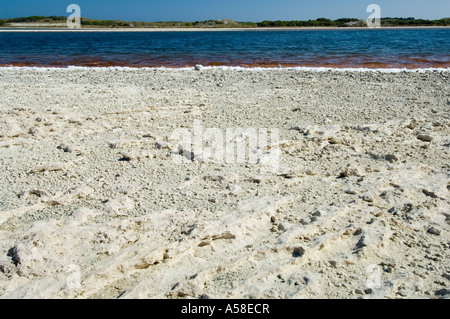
x=94, y=204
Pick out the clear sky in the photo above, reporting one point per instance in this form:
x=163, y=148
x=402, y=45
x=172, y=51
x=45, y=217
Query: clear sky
x=239, y=10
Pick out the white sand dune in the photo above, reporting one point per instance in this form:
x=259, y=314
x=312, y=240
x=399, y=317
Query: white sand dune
x=93, y=205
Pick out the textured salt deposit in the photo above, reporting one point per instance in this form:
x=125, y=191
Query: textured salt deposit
x=92, y=204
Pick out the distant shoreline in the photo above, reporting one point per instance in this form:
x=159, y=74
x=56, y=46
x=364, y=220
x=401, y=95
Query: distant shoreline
x=31, y=29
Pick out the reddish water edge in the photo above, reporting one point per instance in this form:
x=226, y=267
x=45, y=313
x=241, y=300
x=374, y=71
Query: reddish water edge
x=412, y=63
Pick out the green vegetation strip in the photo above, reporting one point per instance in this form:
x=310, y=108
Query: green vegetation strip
x=321, y=22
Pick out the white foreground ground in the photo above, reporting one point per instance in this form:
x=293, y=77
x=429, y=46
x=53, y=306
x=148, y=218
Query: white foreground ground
x=93, y=204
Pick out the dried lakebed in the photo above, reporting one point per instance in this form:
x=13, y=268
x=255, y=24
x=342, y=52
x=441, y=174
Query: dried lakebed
x=93, y=205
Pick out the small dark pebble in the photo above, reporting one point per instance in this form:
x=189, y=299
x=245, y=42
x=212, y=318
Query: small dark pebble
x=442, y=292
x=298, y=252
x=368, y=291
x=434, y=231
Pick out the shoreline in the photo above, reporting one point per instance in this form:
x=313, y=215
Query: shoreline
x=229, y=68
x=214, y=29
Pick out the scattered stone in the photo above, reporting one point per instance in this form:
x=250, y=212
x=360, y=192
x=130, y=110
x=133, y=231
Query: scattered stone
x=368, y=291
x=430, y=193
x=367, y=198
x=442, y=292
x=351, y=170
x=224, y=235
x=51, y=167
x=388, y=266
x=162, y=145
x=391, y=158
x=359, y=292
x=35, y=257
x=7, y=265
x=361, y=243
x=434, y=231
x=334, y=141
x=403, y=292
x=66, y=148
x=305, y=221
x=412, y=125
x=316, y=213
x=310, y=172
x=288, y=175
x=204, y=243
x=116, y=144
x=198, y=67
x=298, y=252
x=35, y=131
x=425, y=137
x=129, y=156
x=37, y=192
x=256, y=180
x=69, y=148
x=133, y=155
x=148, y=135
x=414, y=214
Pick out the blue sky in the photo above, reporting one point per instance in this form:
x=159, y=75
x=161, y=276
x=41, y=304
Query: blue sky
x=239, y=10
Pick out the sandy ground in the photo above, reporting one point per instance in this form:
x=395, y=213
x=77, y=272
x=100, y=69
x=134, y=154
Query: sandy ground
x=94, y=205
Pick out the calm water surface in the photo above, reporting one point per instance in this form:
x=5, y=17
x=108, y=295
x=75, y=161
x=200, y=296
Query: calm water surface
x=409, y=48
